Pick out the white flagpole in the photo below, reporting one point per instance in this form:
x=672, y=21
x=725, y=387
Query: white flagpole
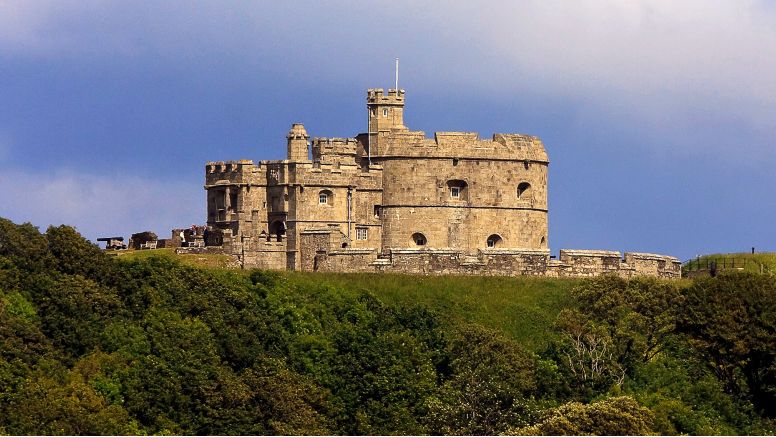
x=397, y=76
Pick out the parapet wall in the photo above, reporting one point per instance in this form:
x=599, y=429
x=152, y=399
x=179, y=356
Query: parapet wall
x=582, y=263
x=464, y=145
x=493, y=262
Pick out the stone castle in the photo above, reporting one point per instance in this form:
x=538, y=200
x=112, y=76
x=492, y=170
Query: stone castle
x=394, y=200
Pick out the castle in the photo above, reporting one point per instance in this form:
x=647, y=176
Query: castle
x=393, y=200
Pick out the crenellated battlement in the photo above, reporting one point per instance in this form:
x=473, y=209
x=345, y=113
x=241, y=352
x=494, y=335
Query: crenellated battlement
x=226, y=166
x=376, y=96
x=394, y=200
x=327, y=150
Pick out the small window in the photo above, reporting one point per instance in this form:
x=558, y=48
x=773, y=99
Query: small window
x=494, y=241
x=455, y=162
x=377, y=211
x=419, y=239
x=523, y=189
x=362, y=233
x=457, y=189
x=325, y=197
x=385, y=112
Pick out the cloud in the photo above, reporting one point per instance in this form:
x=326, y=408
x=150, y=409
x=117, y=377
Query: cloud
x=659, y=65
x=719, y=47
x=99, y=205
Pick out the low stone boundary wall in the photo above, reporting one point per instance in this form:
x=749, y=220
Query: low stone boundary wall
x=504, y=262
x=583, y=263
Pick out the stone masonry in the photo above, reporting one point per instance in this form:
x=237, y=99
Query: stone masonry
x=393, y=200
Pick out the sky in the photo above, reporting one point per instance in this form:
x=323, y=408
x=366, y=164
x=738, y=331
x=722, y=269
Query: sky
x=659, y=117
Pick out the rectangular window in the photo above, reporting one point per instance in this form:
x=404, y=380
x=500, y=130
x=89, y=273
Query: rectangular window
x=362, y=233
x=377, y=211
x=323, y=199
x=455, y=192
x=385, y=112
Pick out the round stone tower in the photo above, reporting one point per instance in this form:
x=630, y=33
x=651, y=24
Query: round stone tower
x=298, y=143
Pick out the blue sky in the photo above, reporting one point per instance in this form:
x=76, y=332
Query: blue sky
x=659, y=116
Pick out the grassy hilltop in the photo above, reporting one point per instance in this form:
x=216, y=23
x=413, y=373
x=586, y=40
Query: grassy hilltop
x=154, y=343
x=748, y=262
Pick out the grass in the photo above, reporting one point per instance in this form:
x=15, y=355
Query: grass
x=196, y=260
x=523, y=308
x=750, y=262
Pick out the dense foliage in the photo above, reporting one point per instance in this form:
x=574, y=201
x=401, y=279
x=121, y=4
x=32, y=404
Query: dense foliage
x=94, y=345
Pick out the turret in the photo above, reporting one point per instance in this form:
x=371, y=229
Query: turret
x=386, y=112
x=297, y=143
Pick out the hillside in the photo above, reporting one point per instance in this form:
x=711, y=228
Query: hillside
x=151, y=343
x=523, y=307
x=748, y=262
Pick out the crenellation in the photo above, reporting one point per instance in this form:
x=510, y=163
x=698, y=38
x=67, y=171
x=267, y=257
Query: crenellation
x=394, y=200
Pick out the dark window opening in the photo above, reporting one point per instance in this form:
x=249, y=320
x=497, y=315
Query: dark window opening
x=276, y=229
x=523, y=190
x=494, y=241
x=419, y=239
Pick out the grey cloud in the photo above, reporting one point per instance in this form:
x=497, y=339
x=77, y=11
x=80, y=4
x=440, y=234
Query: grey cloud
x=99, y=205
x=665, y=63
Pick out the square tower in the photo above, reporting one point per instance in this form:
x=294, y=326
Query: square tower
x=386, y=112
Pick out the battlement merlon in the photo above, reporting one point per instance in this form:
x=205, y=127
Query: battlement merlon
x=226, y=166
x=376, y=96
x=516, y=147
x=329, y=150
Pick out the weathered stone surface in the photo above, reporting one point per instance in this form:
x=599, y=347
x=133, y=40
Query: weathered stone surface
x=392, y=199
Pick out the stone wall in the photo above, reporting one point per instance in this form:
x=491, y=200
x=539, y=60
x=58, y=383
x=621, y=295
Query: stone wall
x=394, y=200
x=495, y=262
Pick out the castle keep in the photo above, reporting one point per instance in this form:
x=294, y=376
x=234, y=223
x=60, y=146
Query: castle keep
x=392, y=199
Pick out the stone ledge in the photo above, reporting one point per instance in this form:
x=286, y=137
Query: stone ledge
x=651, y=256
x=592, y=253
x=352, y=252
x=515, y=251
x=405, y=251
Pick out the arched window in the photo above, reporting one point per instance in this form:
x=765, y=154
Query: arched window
x=494, y=241
x=523, y=190
x=457, y=189
x=325, y=197
x=419, y=239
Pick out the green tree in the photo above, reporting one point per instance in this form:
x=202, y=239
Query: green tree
x=24, y=246
x=640, y=314
x=731, y=321
x=489, y=386
x=77, y=256
x=74, y=310
x=613, y=416
x=81, y=401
